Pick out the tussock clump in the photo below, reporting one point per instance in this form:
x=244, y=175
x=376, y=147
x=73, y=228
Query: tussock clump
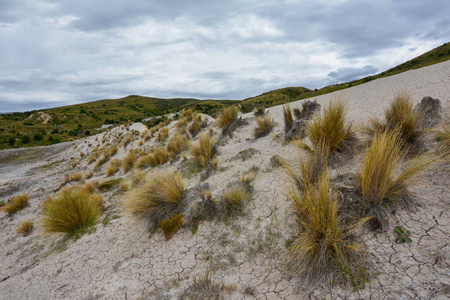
x=113, y=167
x=72, y=211
x=264, y=126
x=170, y=226
x=259, y=111
x=158, y=157
x=158, y=199
x=178, y=143
x=129, y=160
x=234, y=198
x=88, y=175
x=400, y=116
x=376, y=181
x=93, y=157
x=138, y=178
x=323, y=248
x=204, y=149
x=226, y=117
x=330, y=131
x=288, y=119
x=25, y=227
x=196, y=125
x=76, y=176
x=15, y=204
x=443, y=137
x=162, y=135
x=307, y=111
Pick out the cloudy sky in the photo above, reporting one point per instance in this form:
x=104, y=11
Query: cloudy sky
x=63, y=52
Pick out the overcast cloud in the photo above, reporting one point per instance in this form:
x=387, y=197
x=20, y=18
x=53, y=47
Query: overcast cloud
x=64, y=52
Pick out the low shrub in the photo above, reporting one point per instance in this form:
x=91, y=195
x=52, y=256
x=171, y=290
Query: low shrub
x=72, y=211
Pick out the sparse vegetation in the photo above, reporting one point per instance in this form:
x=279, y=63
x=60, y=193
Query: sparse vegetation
x=25, y=227
x=330, y=131
x=204, y=149
x=129, y=160
x=264, y=126
x=226, y=117
x=288, y=119
x=177, y=143
x=376, y=181
x=323, y=248
x=72, y=211
x=400, y=116
x=403, y=235
x=158, y=199
x=162, y=134
x=113, y=167
x=15, y=204
x=443, y=137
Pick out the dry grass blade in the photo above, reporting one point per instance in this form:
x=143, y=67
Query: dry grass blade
x=227, y=116
x=25, y=227
x=73, y=210
x=443, y=137
x=203, y=149
x=330, y=130
x=288, y=119
x=15, y=204
x=264, y=126
x=323, y=248
x=157, y=199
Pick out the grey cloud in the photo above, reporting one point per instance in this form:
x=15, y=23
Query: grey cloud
x=348, y=74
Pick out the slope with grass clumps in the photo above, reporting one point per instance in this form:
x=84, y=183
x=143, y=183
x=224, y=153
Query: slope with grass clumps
x=263, y=218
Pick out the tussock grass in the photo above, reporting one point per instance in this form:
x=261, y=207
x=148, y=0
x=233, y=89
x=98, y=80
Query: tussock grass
x=264, y=126
x=443, y=137
x=113, y=167
x=227, y=116
x=158, y=157
x=15, y=204
x=204, y=149
x=139, y=177
x=162, y=134
x=259, y=111
x=323, y=248
x=234, y=198
x=400, y=116
x=330, y=131
x=288, y=119
x=88, y=175
x=178, y=143
x=25, y=227
x=76, y=176
x=129, y=160
x=158, y=199
x=376, y=178
x=72, y=211
x=310, y=168
x=195, y=126
x=93, y=157
x=170, y=226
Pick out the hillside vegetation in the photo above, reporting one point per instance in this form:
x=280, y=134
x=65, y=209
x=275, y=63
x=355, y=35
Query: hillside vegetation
x=50, y=126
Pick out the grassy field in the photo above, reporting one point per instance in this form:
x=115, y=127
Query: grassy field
x=76, y=121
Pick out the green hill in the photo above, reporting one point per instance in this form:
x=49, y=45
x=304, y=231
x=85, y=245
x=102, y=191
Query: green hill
x=64, y=123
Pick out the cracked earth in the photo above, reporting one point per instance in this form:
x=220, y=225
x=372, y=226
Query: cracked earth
x=120, y=260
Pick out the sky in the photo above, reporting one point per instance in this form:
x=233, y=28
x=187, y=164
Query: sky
x=55, y=53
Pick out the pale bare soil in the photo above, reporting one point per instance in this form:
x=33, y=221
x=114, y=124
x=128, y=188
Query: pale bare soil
x=120, y=261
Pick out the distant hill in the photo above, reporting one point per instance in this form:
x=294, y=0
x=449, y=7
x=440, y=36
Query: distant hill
x=54, y=125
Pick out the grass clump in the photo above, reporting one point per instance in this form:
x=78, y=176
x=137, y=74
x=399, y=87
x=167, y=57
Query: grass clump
x=323, y=248
x=76, y=177
x=25, y=227
x=234, y=198
x=162, y=134
x=264, y=126
x=443, y=137
x=330, y=131
x=158, y=157
x=288, y=119
x=15, y=204
x=72, y=211
x=178, y=143
x=400, y=116
x=376, y=181
x=129, y=160
x=204, y=149
x=227, y=116
x=113, y=167
x=170, y=226
x=157, y=199
x=259, y=111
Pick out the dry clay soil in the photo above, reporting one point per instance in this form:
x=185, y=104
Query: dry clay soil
x=244, y=257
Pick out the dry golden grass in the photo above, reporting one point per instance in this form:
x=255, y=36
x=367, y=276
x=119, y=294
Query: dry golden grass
x=125, y=186
x=443, y=137
x=288, y=119
x=162, y=135
x=195, y=126
x=25, y=227
x=259, y=111
x=76, y=176
x=399, y=116
x=72, y=211
x=170, y=226
x=158, y=199
x=129, y=160
x=178, y=143
x=227, y=116
x=113, y=167
x=234, y=198
x=15, y=204
x=93, y=157
x=376, y=180
x=158, y=157
x=139, y=177
x=330, y=131
x=323, y=248
x=264, y=126
x=203, y=149
x=88, y=175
